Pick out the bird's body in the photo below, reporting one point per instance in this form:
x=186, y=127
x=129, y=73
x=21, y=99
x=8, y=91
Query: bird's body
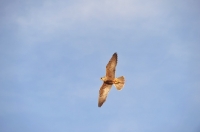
x=109, y=80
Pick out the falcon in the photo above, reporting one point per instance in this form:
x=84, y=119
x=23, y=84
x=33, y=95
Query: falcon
x=109, y=80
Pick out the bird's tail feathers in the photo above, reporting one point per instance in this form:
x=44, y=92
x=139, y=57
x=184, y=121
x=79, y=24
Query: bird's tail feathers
x=119, y=82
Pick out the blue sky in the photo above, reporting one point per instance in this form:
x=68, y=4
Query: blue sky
x=53, y=53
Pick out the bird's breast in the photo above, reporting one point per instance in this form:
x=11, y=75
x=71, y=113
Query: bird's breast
x=109, y=82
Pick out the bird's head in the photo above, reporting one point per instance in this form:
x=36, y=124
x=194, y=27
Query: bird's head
x=103, y=78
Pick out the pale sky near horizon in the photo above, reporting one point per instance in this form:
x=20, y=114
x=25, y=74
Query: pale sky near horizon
x=53, y=53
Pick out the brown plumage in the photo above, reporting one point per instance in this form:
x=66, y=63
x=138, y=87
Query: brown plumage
x=109, y=80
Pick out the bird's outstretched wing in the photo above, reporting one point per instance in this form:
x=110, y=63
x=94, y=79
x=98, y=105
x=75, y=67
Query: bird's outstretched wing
x=103, y=92
x=110, y=67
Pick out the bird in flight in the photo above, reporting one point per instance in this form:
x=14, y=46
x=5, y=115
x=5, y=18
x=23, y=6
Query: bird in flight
x=109, y=80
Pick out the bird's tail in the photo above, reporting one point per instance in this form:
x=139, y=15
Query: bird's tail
x=119, y=82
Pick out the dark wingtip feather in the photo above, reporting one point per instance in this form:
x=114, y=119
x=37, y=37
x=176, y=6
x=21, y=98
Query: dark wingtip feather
x=115, y=54
x=100, y=104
